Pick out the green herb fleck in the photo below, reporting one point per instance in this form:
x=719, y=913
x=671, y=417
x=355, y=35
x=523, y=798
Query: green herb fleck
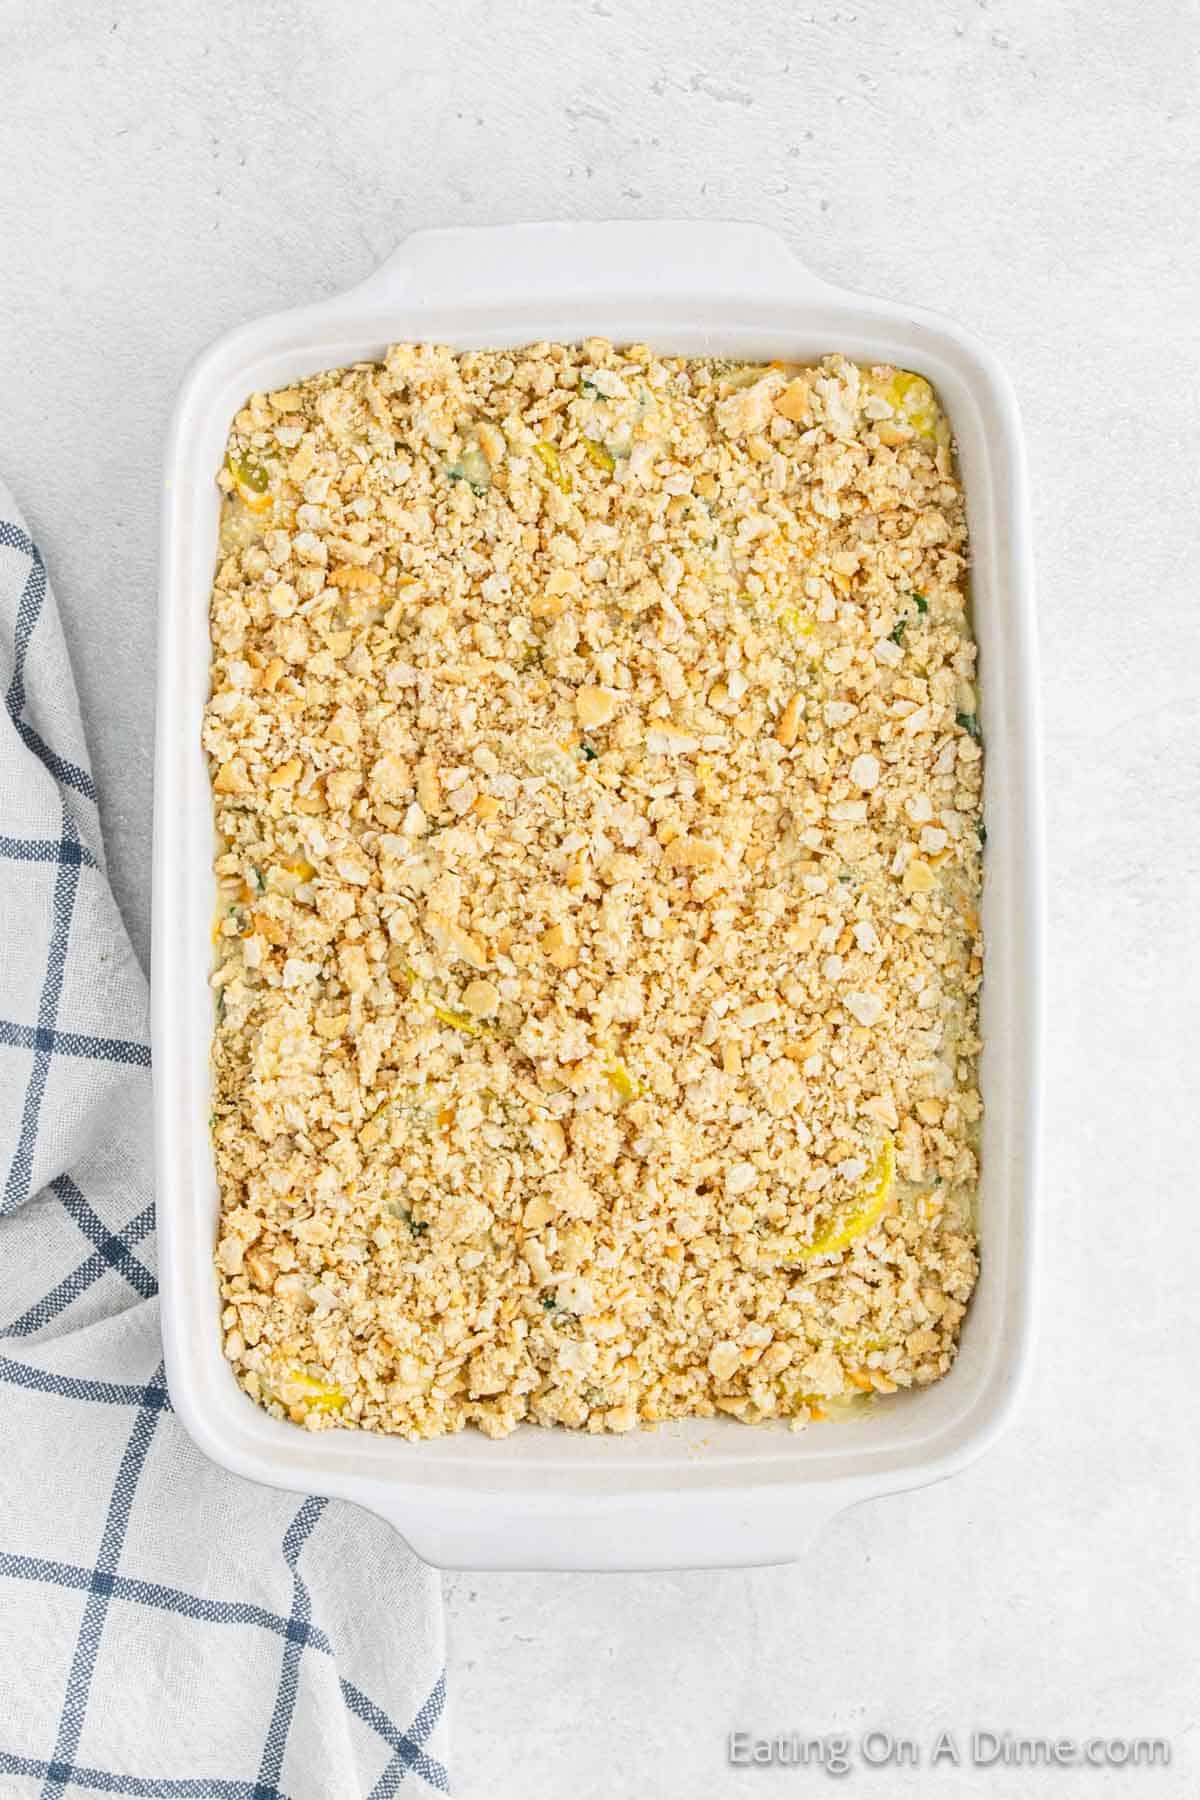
x=922, y=602
x=969, y=723
x=586, y=386
x=548, y=1303
x=982, y=836
x=257, y=876
x=456, y=472
x=589, y=755
x=897, y=632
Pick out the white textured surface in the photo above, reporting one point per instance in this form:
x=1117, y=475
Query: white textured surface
x=1029, y=167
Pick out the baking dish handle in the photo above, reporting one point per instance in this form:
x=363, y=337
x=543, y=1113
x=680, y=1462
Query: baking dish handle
x=704, y=1529
x=483, y=266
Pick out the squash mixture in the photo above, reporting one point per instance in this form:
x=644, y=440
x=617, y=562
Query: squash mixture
x=597, y=778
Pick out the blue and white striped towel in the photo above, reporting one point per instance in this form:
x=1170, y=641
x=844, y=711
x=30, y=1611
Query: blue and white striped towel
x=165, y=1629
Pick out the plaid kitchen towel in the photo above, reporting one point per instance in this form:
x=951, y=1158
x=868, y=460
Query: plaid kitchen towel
x=165, y=1629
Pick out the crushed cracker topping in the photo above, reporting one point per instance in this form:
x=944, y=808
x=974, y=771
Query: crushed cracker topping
x=597, y=778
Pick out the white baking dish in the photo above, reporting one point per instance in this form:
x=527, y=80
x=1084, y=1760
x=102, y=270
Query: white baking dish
x=709, y=1492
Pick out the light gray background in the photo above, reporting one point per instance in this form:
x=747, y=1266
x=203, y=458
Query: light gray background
x=168, y=169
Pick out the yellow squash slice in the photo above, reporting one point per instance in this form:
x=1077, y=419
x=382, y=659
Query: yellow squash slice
x=860, y=1214
x=316, y=1396
x=625, y=1084
x=599, y=455
x=251, y=481
x=913, y=401
x=550, y=460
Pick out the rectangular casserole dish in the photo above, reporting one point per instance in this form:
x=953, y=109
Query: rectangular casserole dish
x=705, y=1492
